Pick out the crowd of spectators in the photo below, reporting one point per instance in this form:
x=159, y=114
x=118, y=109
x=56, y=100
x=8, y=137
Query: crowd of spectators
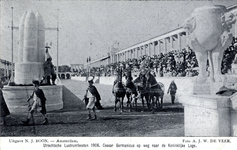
x=229, y=57
x=176, y=63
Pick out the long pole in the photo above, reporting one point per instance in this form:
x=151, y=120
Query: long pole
x=89, y=66
x=12, y=77
x=57, y=44
x=87, y=61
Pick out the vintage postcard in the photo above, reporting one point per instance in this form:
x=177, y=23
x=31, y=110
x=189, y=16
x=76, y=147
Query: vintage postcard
x=112, y=74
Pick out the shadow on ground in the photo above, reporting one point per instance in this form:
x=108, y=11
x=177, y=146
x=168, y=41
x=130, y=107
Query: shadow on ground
x=71, y=102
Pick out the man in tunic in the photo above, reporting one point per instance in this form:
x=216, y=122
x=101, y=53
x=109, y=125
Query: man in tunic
x=39, y=100
x=93, y=95
x=172, y=90
x=4, y=109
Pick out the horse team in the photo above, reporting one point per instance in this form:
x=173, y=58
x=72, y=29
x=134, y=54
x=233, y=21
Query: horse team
x=144, y=87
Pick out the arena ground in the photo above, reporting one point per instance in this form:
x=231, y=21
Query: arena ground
x=71, y=120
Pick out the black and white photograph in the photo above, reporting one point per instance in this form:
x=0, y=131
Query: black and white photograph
x=111, y=74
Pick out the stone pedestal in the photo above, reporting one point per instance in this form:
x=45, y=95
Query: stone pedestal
x=234, y=68
x=211, y=88
x=26, y=72
x=16, y=97
x=200, y=88
x=210, y=115
x=233, y=112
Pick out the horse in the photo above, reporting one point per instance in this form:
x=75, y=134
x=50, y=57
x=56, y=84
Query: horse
x=155, y=90
x=131, y=92
x=140, y=85
x=161, y=95
x=119, y=90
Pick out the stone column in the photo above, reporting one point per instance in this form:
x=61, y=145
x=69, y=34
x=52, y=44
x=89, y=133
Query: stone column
x=134, y=53
x=129, y=54
x=144, y=49
x=5, y=68
x=117, y=57
x=165, y=45
x=159, y=46
x=154, y=47
x=172, y=42
x=140, y=51
x=235, y=29
x=179, y=40
x=112, y=57
x=186, y=36
x=149, y=51
x=137, y=52
x=125, y=56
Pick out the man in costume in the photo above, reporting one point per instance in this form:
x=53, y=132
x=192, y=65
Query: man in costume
x=39, y=100
x=4, y=109
x=94, y=97
x=172, y=90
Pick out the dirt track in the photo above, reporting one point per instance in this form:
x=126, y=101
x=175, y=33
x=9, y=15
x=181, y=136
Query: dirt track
x=71, y=120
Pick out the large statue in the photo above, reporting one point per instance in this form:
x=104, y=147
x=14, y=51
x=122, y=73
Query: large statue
x=49, y=72
x=208, y=30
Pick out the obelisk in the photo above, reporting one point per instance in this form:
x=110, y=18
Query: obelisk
x=31, y=49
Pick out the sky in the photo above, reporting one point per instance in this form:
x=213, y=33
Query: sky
x=89, y=28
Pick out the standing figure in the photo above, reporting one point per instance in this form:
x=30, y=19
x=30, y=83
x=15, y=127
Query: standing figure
x=4, y=109
x=49, y=69
x=94, y=96
x=172, y=90
x=39, y=100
